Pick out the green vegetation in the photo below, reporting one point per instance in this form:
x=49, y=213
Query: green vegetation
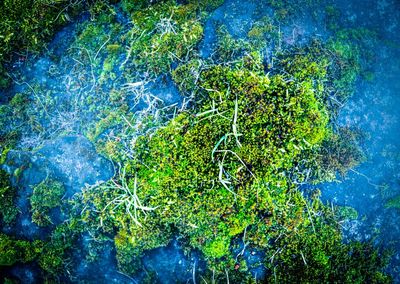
x=339, y=153
x=346, y=213
x=285, y=10
x=46, y=195
x=202, y=6
x=8, y=211
x=27, y=25
x=13, y=251
x=162, y=34
x=212, y=175
x=49, y=254
x=208, y=161
x=54, y=251
x=393, y=202
x=328, y=66
x=314, y=252
x=225, y=169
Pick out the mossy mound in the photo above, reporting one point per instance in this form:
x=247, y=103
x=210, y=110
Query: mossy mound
x=211, y=176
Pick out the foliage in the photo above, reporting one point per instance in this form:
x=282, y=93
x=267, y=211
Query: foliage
x=332, y=17
x=353, y=50
x=346, y=212
x=284, y=10
x=202, y=5
x=163, y=33
x=46, y=195
x=196, y=173
x=27, y=25
x=211, y=175
x=332, y=68
x=393, y=202
x=302, y=247
x=135, y=5
x=131, y=242
x=54, y=252
x=8, y=210
x=228, y=48
x=13, y=251
x=264, y=32
x=317, y=254
x=339, y=153
x=50, y=254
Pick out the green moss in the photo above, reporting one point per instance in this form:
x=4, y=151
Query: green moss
x=46, y=195
x=113, y=48
x=8, y=210
x=393, y=203
x=130, y=244
x=134, y=5
x=263, y=32
x=217, y=248
x=206, y=5
x=228, y=165
x=54, y=251
x=92, y=36
x=332, y=17
x=5, y=81
x=19, y=104
x=201, y=7
x=187, y=75
x=210, y=174
x=284, y=10
x=49, y=254
x=163, y=33
x=51, y=260
x=346, y=52
x=111, y=119
x=346, y=212
x=339, y=153
x=314, y=252
x=197, y=173
x=316, y=64
x=22, y=31
x=13, y=251
x=9, y=255
x=229, y=49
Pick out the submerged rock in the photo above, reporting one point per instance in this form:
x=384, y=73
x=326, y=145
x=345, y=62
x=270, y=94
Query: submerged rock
x=72, y=160
x=237, y=16
x=75, y=162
